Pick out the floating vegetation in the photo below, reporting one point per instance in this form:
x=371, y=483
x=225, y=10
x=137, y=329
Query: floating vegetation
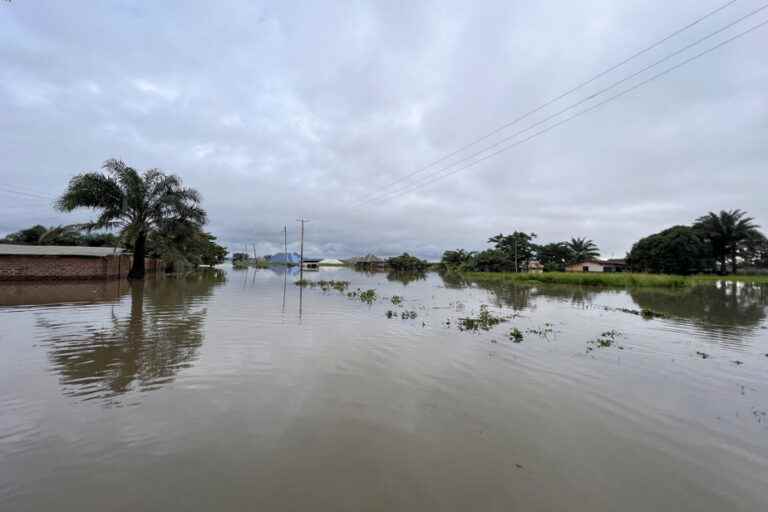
x=545, y=331
x=738, y=363
x=485, y=321
x=339, y=286
x=703, y=355
x=645, y=313
x=367, y=296
x=607, y=339
x=405, y=315
x=396, y=300
x=515, y=335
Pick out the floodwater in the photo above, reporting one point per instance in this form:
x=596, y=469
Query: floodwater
x=237, y=390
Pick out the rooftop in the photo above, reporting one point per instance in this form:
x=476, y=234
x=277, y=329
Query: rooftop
x=58, y=250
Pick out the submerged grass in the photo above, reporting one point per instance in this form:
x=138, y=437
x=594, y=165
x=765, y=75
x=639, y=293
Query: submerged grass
x=367, y=296
x=339, y=286
x=485, y=321
x=618, y=279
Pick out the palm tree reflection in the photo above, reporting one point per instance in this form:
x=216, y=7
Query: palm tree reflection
x=139, y=351
x=725, y=308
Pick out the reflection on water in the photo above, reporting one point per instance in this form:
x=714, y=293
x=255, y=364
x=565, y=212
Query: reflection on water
x=406, y=277
x=305, y=399
x=141, y=349
x=519, y=296
x=724, y=310
x=61, y=293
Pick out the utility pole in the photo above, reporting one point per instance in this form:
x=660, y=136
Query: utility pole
x=285, y=242
x=301, y=251
x=516, y=267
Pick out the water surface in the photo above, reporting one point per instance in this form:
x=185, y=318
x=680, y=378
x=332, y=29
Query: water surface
x=234, y=390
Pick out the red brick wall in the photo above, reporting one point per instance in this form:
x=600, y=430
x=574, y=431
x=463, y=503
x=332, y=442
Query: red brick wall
x=29, y=268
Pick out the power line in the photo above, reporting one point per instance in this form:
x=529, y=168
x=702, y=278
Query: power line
x=21, y=193
x=587, y=110
x=394, y=192
x=566, y=93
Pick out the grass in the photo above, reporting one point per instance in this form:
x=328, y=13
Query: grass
x=240, y=264
x=619, y=279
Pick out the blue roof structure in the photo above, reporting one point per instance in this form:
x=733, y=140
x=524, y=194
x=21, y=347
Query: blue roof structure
x=281, y=257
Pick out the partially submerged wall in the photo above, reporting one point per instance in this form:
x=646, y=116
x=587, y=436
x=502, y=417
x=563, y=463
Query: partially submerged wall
x=32, y=268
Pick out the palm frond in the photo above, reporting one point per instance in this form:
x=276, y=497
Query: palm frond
x=90, y=190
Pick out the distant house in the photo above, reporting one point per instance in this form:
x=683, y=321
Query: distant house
x=331, y=262
x=535, y=267
x=311, y=264
x=612, y=265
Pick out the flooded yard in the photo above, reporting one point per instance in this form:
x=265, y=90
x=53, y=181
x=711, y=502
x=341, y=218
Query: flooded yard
x=238, y=390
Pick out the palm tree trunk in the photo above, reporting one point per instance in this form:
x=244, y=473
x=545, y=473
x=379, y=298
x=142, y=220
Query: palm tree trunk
x=723, y=268
x=733, y=261
x=139, y=248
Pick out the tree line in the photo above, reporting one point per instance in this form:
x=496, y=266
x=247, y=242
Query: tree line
x=515, y=252
x=151, y=213
x=715, y=242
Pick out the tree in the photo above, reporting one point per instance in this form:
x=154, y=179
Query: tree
x=491, y=260
x=456, y=259
x=582, y=249
x=183, y=245
x=60, y=235
x=26, y=236
x=138, y=204
x=676, y=250
x=729, y=232
x=407, y=263
x=554, y=256
x=518, y=247
x=240, y=256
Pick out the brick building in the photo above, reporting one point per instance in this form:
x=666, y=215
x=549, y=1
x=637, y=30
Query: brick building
x=47, y=262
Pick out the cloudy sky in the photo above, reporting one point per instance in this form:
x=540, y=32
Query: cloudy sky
x=275, y=110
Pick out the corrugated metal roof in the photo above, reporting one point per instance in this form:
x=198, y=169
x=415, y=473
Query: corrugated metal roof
x=57, y=250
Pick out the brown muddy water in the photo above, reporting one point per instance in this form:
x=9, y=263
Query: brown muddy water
x=237, y=390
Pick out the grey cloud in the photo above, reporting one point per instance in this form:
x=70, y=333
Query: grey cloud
x=281, y=109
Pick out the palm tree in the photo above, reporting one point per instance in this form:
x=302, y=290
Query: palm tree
x=728, y=232
x=582, y=249
x=137, y=204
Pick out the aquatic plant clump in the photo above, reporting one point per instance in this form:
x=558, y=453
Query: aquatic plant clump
x=396, y=300
x=405, y=315
x=607, y=339
x=545, y=331
x=485, y=321
x=367, y=296
x=647, y=314
x=515, y=335
x=339, y=286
